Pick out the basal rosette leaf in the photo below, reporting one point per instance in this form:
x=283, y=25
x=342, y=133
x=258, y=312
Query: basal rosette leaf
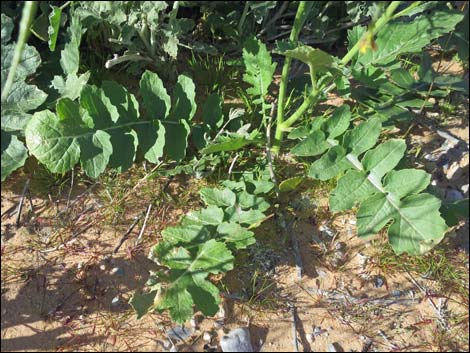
x=385, y=196
x=14, y=153
x=22, y=98
x=186, y=284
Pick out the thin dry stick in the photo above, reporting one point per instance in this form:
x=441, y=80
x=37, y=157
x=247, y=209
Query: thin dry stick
x=232, y=164
x=20, y=205
x=143, y=226
x=294, y=327
x=126, y=234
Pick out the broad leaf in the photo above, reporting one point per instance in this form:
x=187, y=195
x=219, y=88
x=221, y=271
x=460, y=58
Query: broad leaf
x=222, y=198
x=398, y=37
x=317, y=59
x=384, y=157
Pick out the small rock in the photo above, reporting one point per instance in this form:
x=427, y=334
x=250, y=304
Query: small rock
x=80, y=265
x=453, y=195
x=340, y=245
x=352, y=221
x=218, y=324
x=378, y=281
x=103, y=267
x=464, y=188
x=454, y=172
x=237, y=340
x=116, y=301
x=194, y=322
x=431, y=157
x=221, y=312
x=310, y=338
x=318, y=331
x=117, y=271
x=396, y=293
x=179, y=333
x=326, y=231
x=207, y=336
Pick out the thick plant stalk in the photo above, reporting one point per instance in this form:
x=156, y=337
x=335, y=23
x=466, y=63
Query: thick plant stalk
x=27, y=17
x=299, y=20
x=311, y=99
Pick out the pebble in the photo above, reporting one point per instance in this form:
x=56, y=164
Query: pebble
x=454, y=172
x=318, y=331
x=207, y=336
x=194, y=322
x=179, y=333
x=454, y=195
x=116, y=301
x=378, y=281
x=118, y=271
x=396, y=293
x=218, y=324
x=310, y=338
x=326, y=230
x=464, y=188
x=103, y=267
x=237, y=340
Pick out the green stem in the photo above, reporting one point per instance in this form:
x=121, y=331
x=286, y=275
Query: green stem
x=242, y=19
x=310, y=100
x=382, y=21
x=27, y=17
x=299, y=20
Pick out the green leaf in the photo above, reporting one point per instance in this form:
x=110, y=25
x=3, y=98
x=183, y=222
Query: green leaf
x=53, y=29
x=290, y=184
x=406, y=182
x=317, y=59
x=352, y=188
x=234, y=233
x=184, y=103
x=191, y=233
x=156, y=99
x=211, y=215
x=70, y=55
x=7, y=29
x=330, y=164
x=313, y=145
x=212, y=111
x=250, y=217
x=222, y=198
x=176, y=139
x=363, y=137
x=259, y=69
x=151, y=140
x=261, y=186
x=14, y=153
x=399, y=37
x=54, y=141
x=95, y=151
x=454, y=211
x=417, y=225
x=141, y=303
x=249, y=201
x=205, y=294
x=72, y=86
x=338, y=123
x=384, y=157
x=213, y=257
x=228, y=144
